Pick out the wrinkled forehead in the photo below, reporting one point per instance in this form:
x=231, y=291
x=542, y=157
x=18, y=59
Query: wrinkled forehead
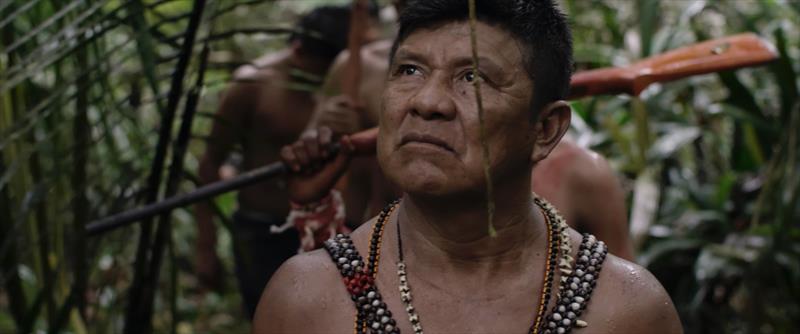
x=447, y=42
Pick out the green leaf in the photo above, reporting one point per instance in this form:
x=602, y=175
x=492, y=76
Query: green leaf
x=784, y=74
x=661, y=249
x=675, y=138
x=648, y=19
x=726, y=183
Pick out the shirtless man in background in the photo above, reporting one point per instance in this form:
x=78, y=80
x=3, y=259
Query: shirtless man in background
x=578, y=181
x=267, y=105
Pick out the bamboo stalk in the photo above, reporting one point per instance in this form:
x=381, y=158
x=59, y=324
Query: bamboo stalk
x=43, y=241
x=21, y=186
x=139, y=312
x=80, y=203
x=164, y=233
x=59, y=193
x=9, y=259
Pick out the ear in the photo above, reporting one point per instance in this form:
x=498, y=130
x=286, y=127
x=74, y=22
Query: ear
x=551, y=125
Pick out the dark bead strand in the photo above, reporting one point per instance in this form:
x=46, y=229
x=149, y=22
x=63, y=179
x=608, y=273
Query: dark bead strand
x=377, y=235
x=553, y=249
x=380, y=318
x=372, y=311
x=577, y=291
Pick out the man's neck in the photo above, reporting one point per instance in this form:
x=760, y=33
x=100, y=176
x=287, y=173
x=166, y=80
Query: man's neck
x=457, y=231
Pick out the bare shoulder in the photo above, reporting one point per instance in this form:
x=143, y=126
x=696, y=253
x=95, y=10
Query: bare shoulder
x=590, y=178
x=252, y=73
x=628, y=298
x=264, y=67
x=584, y=164
x=374, y=56
x=248, y=85
x=304, y=296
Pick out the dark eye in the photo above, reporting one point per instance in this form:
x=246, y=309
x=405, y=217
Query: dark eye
x=407, y=70
x=469, y=76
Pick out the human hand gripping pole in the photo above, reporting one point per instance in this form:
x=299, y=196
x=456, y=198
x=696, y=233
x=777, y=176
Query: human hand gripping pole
x=316, y=164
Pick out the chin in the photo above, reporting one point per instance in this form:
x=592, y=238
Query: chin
x=418, y=176
x=423, y=171
x=425, y=187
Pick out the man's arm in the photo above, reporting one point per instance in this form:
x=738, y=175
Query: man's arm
x=599, y=203
x=225, y=133
x=306, y=295
x=334, y=110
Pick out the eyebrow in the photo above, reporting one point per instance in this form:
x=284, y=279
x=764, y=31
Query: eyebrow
x=408, y=55
x=483, y=62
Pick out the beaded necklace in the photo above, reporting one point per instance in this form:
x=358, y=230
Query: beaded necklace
x=575, y=287
x=554, y=230
x=371, y=311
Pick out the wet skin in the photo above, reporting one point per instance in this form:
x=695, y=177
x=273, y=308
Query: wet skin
x=463, y=280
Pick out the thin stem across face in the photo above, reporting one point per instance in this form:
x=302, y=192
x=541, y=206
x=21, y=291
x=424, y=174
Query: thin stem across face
x=487, y=169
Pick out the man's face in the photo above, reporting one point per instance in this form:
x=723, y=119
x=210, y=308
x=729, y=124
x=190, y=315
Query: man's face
x=429, y=140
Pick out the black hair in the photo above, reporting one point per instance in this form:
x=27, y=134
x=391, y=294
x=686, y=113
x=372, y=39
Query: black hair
x=323, y=32
x=538, y=25
x=373, y=9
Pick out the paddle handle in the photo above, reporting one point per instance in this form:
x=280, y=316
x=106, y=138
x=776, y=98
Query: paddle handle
x=727, y=53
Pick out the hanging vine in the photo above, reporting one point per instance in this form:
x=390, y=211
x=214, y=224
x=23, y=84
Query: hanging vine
x=487, y=168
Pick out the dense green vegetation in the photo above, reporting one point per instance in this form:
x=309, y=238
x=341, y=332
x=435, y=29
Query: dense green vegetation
x=97, y=116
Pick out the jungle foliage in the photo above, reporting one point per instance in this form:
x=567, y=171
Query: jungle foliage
x=104, y=106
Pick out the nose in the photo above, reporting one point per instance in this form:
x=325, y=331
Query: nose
x=433, y=101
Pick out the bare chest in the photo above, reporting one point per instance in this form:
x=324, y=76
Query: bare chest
x=442, y=312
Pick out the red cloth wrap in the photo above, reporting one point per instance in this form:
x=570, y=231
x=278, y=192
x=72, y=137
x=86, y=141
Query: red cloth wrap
x=317, y=222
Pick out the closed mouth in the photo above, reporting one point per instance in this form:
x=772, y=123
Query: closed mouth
x=425, y=139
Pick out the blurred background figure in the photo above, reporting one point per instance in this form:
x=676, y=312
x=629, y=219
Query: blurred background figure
x=266, y=106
